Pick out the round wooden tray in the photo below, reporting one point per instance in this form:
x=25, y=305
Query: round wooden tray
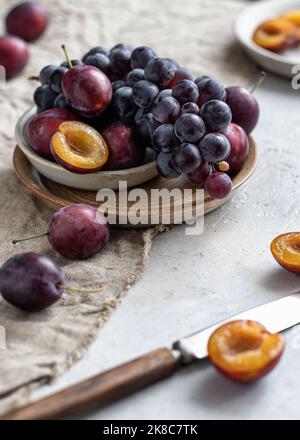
x=56, y=196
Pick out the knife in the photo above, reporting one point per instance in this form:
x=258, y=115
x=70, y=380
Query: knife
x=134, y=375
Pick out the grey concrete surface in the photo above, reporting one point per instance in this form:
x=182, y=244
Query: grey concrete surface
x=191, y=282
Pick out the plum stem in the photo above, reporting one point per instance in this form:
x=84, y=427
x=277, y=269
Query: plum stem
x=33, y=237
x=79, y=289
x=261, y=78
x=67, y=56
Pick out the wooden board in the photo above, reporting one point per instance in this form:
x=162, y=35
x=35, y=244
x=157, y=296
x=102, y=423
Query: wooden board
x=56, y=195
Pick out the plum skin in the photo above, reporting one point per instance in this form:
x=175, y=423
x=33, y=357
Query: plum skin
x=31, y=281
x=14, y=55
x=239, y=147
x=87, y=90
x=244, y=107
x=78, y=231
x=42, y=127
x=124, y=148
x=27, y=20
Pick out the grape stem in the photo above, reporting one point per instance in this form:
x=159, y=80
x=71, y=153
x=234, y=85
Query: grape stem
x=33, y=237
x=261, y=78
x=79, y=289
x=67, y=56
x=33, y=78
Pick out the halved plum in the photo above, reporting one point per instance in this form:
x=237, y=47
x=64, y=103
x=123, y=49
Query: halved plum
x=79, y=148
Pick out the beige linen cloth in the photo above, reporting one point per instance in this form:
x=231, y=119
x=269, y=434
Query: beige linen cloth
x=197, y=33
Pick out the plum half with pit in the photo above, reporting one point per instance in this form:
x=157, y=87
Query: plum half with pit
x=78, y=231
x=42, y=127
x=79, y=148
x=14, y=55
x=87, y=90
x=31, y=281
x=124, y=149
x=27, y=20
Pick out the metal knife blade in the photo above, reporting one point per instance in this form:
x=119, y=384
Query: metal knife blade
x=276, y=316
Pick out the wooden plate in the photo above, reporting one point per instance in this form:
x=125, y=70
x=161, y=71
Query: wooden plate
x=56, y=195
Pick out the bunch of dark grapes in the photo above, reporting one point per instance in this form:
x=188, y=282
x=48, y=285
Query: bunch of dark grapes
x=182, y=119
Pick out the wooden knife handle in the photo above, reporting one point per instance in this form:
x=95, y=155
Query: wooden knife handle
x=101, y=389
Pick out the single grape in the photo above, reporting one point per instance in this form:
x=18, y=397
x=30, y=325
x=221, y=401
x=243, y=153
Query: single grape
x=44, y=97
x=164, y=138
x=56, y=79
x=115, y=85
x=120, y=58
x=215, y=147
x=160, y=71
x=173, y=62
x=150, y=155
x=145, y=125
x=200, y=175
x=185, y=91
x=218, y=185
x=123, y=103
x=93, y=51
x=202, y=79
x=210, y=89
x=163, y=94
x=190, y=128
x=144, y=93
x=134, y=76
x=180, y=74
x=78, y=231
x=46, y=72
x=60, y=102
x=101, y=61
x=186, y=158
x=166, y=110
x=31, y=281
x=190, y=107
x=165, y=166
x=140, y=56
x=216, y=115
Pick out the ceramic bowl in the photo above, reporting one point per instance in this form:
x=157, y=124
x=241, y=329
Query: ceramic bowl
x=245, y=25
x=91, y=182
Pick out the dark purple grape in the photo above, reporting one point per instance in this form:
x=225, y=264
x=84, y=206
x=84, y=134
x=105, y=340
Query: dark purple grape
x=150, y=155
x=216, y=115
x=163, y=94
x=210, y=89
x=115, y=85
x=139, y=115
x=144, y=93
x=94, y=50
x=200, y=175
x=202, y=79
x=46, y=72
x=160, y=71
x=123, y=103
x=181, y=73
x=101, y=61
x=190, y=107
x=56, y=79
x=78, y=231
x=164, y=138
x=120, y=59
x=141, y=55
x=165, y=166
x=134, y=76
x=185, y=91
x=186, y=158
x=215, y=147
x=146, y=124
x=218, y=185
x=173, y=62
x=44, y=97
x=31, y=281
x=73, y=62
x=60, y=102
x=190, y=128
x=167, y=110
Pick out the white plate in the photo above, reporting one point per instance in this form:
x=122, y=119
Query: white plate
x=247, y=22
x=91, y=182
